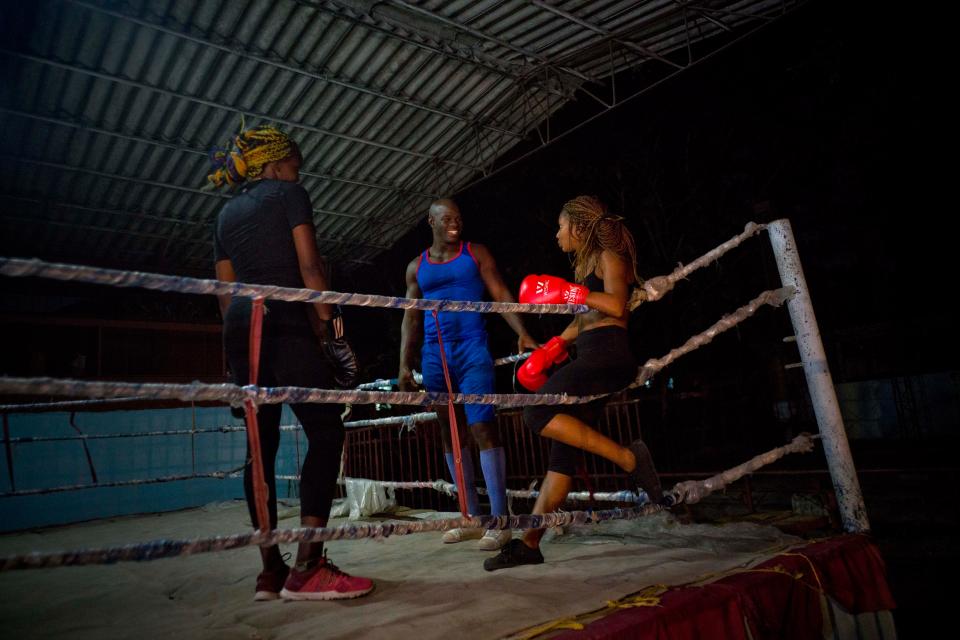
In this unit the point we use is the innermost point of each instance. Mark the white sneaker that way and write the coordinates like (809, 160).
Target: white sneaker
(459, 535)
(493, 539)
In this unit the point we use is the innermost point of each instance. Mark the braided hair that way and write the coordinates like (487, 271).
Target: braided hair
(255, 148)
(598, 230)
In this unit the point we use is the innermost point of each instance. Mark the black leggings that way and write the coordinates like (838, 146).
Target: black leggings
(604, 363)
(289, 356)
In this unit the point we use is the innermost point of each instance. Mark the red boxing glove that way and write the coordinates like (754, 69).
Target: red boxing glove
(551, 290)
(531, 375)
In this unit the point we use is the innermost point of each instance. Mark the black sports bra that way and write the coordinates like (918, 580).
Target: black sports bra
(593, 282)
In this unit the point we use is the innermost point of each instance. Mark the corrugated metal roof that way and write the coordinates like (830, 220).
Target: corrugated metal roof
(109, 108)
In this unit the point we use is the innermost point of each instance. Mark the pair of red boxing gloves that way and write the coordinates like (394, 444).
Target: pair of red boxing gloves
(544, 289)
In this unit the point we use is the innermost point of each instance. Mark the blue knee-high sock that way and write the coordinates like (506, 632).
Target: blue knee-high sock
(473, 503)
(494, 465)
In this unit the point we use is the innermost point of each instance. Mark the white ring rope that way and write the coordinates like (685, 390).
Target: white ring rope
(17, 267)
(653, 289)
(682, 492)
(235, 395)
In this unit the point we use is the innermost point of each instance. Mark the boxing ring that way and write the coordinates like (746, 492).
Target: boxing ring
(624, 566)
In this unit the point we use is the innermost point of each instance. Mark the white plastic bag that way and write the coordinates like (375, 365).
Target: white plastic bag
(367, 497)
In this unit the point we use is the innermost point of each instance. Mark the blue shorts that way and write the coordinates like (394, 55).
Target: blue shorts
(471, 371)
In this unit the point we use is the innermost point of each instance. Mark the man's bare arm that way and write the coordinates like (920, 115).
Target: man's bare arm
(410, 331)
(498, 291)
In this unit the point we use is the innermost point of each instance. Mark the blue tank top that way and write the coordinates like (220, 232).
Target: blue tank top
(456, 279)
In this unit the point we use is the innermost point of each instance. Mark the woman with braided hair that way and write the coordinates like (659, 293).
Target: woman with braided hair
(604, 258)
(265, 235)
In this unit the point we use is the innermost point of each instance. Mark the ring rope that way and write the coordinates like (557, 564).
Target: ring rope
(271, 395)
(138, 434)
(654, 288)
(517, 357)
(690, 491)
(234, 394)
(257, 479)
(25, 385)
(657, 287)
(772, 297)
(407, 420)
(173, 548)
(217, 475)
(450, 489)
(412, 418)
(65, 404)
(18, 267)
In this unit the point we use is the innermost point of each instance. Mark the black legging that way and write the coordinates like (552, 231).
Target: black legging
(289, 356)
(604, 363)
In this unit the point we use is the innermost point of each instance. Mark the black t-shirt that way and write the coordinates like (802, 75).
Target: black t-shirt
(253, 231)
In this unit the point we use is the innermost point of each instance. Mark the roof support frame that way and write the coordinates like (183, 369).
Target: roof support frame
(209, 103)
(479, 34)
(490, 171)
(191, 150)
(157, 184)
(313, 75)
(566, 15)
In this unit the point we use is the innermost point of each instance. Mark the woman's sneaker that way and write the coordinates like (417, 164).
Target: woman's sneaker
(644, 475)
(513, 554)
(324, 582)
(461, 534)
(493, 539)
(270, 583)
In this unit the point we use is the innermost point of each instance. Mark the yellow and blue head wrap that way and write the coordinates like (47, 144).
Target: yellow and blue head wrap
(255, 148)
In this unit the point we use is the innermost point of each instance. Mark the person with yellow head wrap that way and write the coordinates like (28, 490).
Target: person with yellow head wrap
(255, 149)
(265, 235)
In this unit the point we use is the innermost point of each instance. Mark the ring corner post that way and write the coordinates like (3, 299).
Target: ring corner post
(823, 396)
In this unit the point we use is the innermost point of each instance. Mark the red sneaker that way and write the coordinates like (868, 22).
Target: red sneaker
(324, 582)
(269, 583)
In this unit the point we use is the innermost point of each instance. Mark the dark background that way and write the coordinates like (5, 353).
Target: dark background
(834, 117)
(828, 118)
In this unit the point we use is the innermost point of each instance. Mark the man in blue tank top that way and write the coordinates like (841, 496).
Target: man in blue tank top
(452, 269)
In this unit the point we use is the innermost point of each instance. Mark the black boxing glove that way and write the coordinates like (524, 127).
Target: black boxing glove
(333, 342)
(237, 412)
